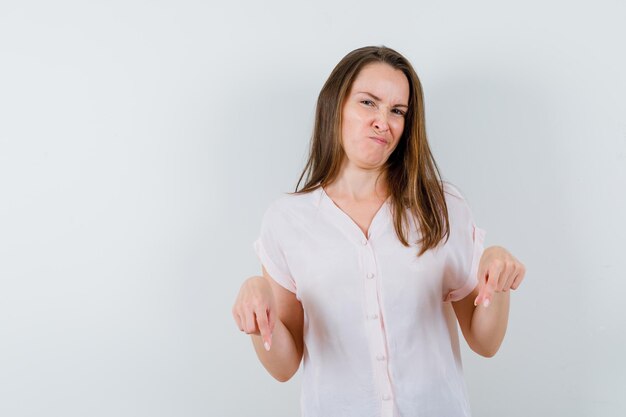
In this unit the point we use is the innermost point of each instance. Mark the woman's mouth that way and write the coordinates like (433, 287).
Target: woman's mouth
(379, 140)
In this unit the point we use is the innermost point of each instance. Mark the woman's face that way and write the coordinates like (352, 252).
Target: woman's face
(373, 115)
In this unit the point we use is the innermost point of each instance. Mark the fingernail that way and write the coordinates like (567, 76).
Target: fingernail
(486, 302)
(267, 346)
(475, 302)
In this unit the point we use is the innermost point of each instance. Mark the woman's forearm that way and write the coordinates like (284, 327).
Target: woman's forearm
(283, 359)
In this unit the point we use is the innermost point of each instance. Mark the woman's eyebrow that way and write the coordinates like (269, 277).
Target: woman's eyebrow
(378, 99)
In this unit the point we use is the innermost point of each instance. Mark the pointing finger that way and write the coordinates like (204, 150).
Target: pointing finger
(264, 327)
(482, 280)
(484, 297)
(271, 317)
(488, 290)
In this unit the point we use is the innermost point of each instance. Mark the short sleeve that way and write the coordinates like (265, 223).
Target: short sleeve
(464, 249)
(269, 247)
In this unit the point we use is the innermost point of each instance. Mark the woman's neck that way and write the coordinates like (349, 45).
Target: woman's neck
(359, 184)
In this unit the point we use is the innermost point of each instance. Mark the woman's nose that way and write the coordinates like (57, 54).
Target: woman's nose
(380, 123)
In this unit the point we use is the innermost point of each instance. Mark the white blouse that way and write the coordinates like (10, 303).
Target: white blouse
(380, 336)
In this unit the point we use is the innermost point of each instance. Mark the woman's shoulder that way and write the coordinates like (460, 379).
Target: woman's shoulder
(451, 191)
(290, 211)
(459, 210)
(455, 198)
(297, 202)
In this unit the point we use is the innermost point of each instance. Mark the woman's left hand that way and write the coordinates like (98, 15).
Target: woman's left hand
(498, 271)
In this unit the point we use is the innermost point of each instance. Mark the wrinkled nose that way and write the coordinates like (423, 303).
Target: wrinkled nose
(380, 123)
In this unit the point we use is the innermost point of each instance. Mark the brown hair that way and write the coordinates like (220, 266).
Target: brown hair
(413, 177)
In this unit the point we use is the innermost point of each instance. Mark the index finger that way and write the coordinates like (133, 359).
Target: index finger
(264, 327)
(488, 290)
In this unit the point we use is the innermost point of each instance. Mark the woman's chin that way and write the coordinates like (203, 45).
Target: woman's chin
(371, 164)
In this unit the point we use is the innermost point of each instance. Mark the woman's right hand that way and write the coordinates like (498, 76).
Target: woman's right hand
(254, 310)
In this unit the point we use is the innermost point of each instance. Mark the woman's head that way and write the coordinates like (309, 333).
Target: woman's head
(372, 116)
(410, 170)
(327, 153)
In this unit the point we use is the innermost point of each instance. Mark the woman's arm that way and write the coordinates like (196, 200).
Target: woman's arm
(483, 315)
(274, 318)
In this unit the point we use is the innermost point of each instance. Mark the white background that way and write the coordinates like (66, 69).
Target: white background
(141, 141)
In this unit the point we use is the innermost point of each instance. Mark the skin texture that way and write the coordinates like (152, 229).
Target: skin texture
(372, 123)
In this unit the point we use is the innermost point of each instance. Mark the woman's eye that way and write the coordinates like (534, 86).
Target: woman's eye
(367, 102)
(398, 112)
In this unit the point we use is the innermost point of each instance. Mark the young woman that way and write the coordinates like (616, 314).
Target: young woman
(366, 266)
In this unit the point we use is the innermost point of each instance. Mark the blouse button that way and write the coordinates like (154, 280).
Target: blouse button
(380, 357)
(386, 397)
(364, 242)
(373, 316)
(370, 275)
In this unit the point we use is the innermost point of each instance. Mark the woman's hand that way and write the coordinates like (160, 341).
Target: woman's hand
(254, 309)
(498, 271)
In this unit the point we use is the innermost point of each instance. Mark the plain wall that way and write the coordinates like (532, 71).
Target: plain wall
(141, 142)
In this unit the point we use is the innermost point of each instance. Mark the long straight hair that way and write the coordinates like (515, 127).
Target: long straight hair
(413, 177)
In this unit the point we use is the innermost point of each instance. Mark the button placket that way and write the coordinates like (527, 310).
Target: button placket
(375, 329)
